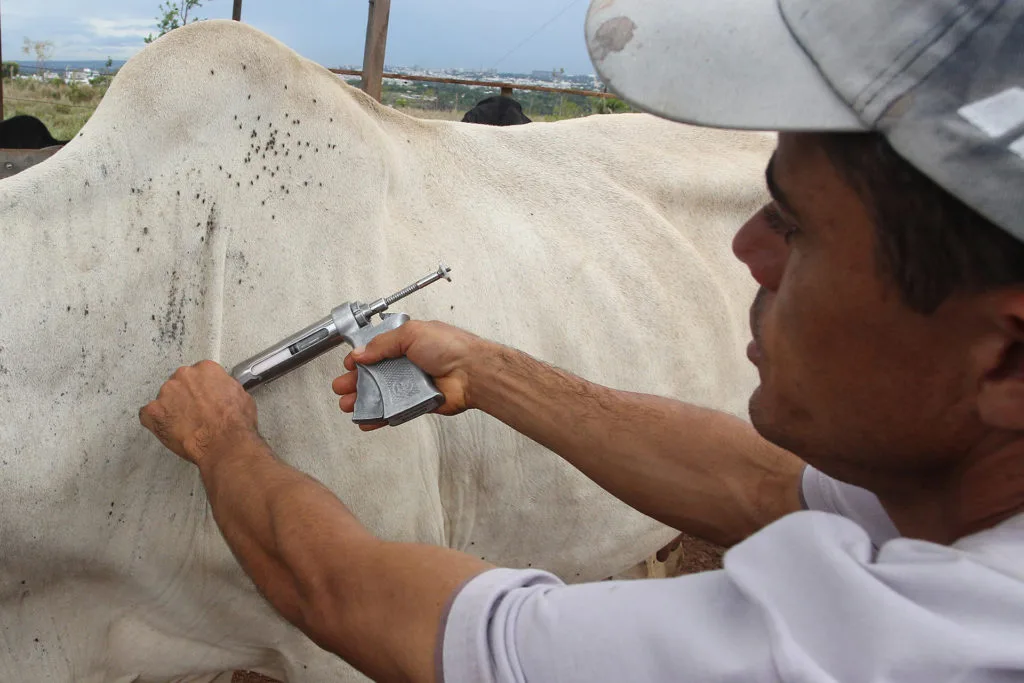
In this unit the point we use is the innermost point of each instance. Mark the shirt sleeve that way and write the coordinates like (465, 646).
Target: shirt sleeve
(805, 600)
(515, 626)
(818, 491)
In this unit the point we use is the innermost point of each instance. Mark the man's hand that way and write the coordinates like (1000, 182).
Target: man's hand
(305, 551)
(200, 410)
(442, 351)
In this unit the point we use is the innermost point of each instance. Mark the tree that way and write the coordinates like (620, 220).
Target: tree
(174, 14)
(568, 109)
(42, 49)
(611, 106)
(10, 69)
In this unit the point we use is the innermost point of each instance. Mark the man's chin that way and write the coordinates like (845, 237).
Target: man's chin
(762, 417)
(754, 407)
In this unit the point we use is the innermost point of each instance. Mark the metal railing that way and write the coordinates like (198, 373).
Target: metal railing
(506, 88)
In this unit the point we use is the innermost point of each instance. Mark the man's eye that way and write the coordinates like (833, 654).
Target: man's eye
(777, 223)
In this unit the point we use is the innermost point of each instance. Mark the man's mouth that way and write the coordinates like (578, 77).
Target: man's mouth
(753, 352)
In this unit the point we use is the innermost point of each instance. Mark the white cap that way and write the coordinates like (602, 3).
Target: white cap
(943, 80)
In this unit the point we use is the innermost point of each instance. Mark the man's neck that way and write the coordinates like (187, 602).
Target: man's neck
(982, 490)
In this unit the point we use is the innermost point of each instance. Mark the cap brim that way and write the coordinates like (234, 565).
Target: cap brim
(718, 63)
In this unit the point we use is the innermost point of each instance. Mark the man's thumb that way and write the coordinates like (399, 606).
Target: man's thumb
(386, 345)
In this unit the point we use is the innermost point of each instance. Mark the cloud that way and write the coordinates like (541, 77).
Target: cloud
(87, 37)
(98, 37)
(119, 28)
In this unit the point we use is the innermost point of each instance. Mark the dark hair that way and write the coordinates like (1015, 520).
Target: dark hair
(930, 243)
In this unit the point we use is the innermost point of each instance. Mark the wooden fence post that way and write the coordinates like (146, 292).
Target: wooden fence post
(506, 91)
(376, 41)
(236, 11)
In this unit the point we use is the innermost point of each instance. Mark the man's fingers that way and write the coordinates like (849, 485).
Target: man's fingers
(388, 345)
(146, 415)
(347, 403)
(208, 365)
(345, 384)
(152, 416)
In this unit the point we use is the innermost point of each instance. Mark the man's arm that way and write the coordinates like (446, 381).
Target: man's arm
(698, 470)
(378, 605)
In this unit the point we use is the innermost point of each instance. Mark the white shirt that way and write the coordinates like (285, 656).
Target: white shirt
(821, 492)
(814, 597)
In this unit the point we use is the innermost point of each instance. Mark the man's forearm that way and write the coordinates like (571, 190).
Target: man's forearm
(376, 604)
(250, 492)
(698, 470)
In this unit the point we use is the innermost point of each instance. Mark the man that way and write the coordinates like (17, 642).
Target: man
(889, 337)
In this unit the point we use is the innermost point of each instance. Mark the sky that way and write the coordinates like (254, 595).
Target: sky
(470, 34)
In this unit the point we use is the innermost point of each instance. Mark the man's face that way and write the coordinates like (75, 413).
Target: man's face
(852, 380)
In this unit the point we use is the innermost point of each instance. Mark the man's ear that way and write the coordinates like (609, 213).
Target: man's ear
(1001, 392)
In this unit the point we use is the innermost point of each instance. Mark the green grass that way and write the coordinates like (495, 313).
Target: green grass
(63, 108)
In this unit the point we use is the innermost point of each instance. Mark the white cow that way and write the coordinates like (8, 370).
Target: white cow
(228, 192)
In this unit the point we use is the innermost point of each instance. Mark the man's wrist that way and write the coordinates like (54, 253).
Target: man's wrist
(488, 366)
(227, 446)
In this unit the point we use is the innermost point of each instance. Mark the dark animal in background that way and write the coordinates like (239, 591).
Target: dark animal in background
(496, 111)
(26, 132)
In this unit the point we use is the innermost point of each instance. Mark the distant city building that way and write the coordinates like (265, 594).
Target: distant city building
(80, 76)
(535, 78)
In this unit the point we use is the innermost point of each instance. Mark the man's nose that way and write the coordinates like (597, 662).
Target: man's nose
(762, 249)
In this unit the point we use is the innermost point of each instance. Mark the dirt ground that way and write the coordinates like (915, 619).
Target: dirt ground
(692, 555)
(250, 677)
